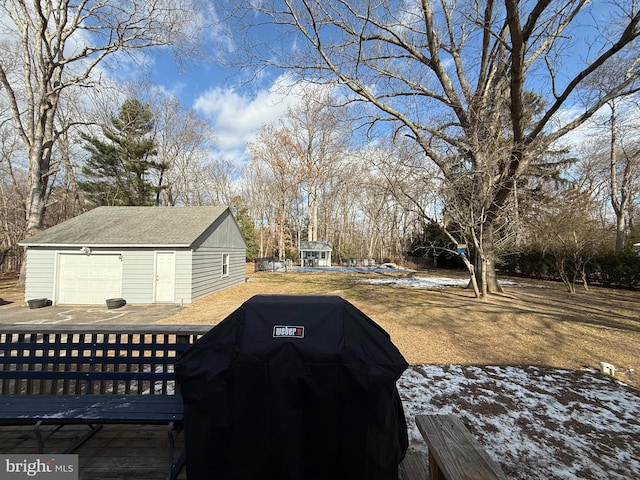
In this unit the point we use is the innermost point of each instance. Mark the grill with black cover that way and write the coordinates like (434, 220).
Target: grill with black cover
(293, 387)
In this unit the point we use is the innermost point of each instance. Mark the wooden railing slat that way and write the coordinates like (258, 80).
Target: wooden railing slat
(114, 359)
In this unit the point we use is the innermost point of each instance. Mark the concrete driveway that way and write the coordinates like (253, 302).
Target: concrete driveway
(87, 314)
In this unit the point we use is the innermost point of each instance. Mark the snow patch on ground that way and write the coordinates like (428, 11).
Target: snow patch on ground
(535, 422)
(426, 282)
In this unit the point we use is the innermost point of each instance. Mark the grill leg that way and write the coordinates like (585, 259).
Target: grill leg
(175, 469)
(39, 434)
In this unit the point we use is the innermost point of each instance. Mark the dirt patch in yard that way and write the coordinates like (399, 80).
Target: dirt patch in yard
(10, 292)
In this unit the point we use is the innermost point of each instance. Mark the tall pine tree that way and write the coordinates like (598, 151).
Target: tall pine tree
(122, 168)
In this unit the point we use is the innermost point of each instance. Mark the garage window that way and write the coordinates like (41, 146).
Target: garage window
(225, 264)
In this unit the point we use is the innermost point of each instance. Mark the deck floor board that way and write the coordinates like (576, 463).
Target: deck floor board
(134, 452)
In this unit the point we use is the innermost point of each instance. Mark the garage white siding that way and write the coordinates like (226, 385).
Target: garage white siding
(114, 252)
(138, 280)
(207, 270)
(40, 270)
(88, 279)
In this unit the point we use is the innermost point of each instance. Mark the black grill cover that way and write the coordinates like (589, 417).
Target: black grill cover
(293, 388)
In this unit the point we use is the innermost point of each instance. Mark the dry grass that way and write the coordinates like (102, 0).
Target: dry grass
(10, 291)
(536, 324)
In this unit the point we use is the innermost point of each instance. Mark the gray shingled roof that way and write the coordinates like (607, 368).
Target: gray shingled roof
(316, 246)
(120, 226)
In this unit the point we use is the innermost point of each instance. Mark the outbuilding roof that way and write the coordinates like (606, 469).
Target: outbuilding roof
(130, 226)
(316, 246)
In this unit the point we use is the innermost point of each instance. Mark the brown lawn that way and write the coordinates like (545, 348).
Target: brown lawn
(536, 323)
(534, 421)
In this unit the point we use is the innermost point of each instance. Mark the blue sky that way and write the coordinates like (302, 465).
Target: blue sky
(234, 107)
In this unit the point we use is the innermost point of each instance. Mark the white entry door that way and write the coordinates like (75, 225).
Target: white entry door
(165, 276)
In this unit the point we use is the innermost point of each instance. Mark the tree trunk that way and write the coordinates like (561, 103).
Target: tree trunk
(564, 275)
(281, 240)
(40, 151)
(487, 260)
(315, 218)
(616, 203)
(35, 203)
(473, 282)
(621, 232)
(312, 234)
(39, 162)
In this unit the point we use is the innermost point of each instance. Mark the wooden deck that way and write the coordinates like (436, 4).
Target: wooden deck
(115, 452)
(133, 452)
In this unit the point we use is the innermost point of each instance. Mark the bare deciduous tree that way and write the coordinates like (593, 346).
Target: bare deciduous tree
(624, 163)
(11, 195)
(567, 231)
(257, 194)
(52, 46)
(322, 134)
(304, 153)
(274, 158)
(184, 143)
(456, 77)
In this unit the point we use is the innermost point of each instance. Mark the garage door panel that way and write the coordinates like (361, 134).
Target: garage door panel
(88, 279)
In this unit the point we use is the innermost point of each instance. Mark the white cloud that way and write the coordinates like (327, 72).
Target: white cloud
(597, 127)
(236, 117)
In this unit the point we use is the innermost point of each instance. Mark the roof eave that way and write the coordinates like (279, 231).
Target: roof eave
(107, 245)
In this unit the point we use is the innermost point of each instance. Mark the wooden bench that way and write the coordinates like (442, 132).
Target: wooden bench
(454, 454)
(59, 376)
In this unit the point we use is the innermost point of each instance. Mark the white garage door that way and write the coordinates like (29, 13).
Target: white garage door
(89, 279)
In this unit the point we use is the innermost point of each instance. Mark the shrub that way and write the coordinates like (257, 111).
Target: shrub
(615, 270)
(606, 268)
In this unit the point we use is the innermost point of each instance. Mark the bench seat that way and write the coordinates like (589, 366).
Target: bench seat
(78, 375)
(90, 409)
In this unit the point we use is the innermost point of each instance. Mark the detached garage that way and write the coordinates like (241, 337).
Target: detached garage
(141, 254)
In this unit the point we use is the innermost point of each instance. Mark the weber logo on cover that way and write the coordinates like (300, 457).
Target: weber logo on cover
(50, 467)
(282, 331)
